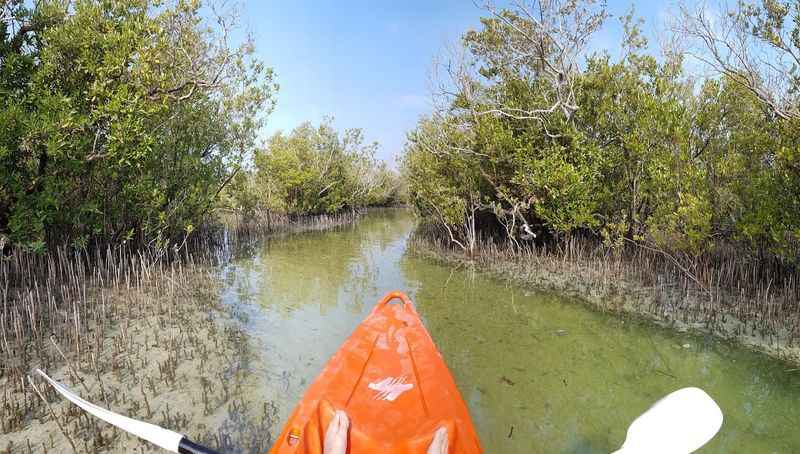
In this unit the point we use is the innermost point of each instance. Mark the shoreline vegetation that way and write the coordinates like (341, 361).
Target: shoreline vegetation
(645, 284)
(141, 332)
(668, 171)
(133, 123)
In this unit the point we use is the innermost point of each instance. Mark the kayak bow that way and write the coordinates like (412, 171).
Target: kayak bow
(394, 385)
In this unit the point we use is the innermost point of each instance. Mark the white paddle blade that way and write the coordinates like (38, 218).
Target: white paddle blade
(680, 423)
(159, 436)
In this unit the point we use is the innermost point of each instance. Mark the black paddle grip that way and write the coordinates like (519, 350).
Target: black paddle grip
(187, 446)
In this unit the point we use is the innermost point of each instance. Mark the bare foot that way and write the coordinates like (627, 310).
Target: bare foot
(336, 434)
(439, 443)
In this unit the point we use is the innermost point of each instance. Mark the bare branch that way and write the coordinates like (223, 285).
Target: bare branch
(537, 42)
(752, 47)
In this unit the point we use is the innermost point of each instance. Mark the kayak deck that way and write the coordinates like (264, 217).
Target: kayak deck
(394, 385)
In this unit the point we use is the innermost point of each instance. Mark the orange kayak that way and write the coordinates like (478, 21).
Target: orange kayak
(394, 385)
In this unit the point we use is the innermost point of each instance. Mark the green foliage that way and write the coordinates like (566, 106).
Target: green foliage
(641, 156)
(315, 170)
(752, 168)
(121, 119)
(439, 184)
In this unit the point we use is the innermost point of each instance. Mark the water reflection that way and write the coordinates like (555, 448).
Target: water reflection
(306, 292)
(540, 374)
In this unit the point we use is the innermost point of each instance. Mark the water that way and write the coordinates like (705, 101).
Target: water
(539, 372)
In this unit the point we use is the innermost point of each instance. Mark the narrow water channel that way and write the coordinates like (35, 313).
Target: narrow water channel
(539, 372)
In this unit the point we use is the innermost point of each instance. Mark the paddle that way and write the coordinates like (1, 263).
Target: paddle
(679, 423)
(163, 438)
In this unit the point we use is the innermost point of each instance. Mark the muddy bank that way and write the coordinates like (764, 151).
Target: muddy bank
(612, 286)
(178, 359)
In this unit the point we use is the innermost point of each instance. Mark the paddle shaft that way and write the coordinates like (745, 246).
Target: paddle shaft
(164, 438)
(187, 446)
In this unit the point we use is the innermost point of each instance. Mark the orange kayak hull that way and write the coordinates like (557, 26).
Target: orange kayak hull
(394, 385)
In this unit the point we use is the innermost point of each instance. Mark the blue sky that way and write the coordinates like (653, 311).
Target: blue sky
(367, 63)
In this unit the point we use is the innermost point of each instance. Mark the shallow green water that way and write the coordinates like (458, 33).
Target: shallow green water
(540, 373)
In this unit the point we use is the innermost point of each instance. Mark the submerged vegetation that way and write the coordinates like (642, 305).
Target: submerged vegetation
(646, 283)
(146, 337)
(142, 331)
(537, 142)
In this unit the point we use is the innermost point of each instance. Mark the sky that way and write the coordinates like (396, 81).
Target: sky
(367, 64)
